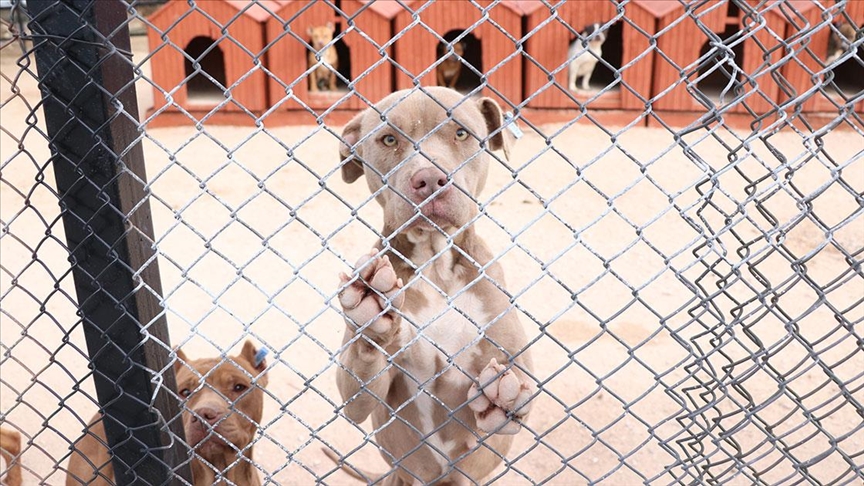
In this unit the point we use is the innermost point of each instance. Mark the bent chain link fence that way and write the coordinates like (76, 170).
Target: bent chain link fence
(686, 264)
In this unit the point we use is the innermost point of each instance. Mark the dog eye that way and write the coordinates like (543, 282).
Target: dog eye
(389, 140)
(461, 134)
(185, 392)
(240, 387)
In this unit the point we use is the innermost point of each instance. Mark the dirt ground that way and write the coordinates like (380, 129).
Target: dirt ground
(598, 234)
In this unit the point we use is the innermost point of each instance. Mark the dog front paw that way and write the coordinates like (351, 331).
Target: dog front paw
(365, 298)
(502, 400)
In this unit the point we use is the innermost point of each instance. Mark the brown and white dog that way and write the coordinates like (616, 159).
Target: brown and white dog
(841, 39)
(448, 72)
(10, 450)
(323, 77)
(223, 404)
(433, 350)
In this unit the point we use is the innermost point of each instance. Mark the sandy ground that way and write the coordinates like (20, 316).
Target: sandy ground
(617, 353)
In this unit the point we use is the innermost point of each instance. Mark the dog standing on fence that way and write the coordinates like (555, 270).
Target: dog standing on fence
(447, 73)
(582, 64)
(431, 336)
(217, 429)
(842, 37)
(323, 77)
(10, 450)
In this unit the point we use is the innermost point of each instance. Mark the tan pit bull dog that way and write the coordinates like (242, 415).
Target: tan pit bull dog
(215, 427)
(450, 69)
(431, 335)
(10, 449)
(322, 78)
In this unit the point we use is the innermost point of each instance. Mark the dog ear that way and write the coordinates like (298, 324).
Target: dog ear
(181, 359)
(498, 140)
(352, 169)
(256, 358)
(330, 27)
(309, 31)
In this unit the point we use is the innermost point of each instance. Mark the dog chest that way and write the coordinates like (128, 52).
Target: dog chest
(453, 327)
(584, 63)
(440, 360)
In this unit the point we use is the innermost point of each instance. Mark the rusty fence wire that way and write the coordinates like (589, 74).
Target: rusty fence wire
(682, 234)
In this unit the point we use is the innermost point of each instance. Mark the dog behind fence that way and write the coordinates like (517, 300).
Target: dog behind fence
(681, 304)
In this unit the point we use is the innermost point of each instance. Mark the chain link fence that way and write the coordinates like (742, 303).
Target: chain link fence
(682, 236)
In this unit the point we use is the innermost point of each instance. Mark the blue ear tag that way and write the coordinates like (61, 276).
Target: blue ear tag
(260, 355)
(511, 124)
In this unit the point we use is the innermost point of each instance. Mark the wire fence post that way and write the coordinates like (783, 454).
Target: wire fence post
(83, 58)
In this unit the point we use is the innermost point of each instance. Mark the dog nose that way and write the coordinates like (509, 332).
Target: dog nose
(426, 181)
(210, 415)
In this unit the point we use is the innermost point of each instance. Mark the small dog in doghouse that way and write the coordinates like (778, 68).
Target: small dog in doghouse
(450, 69)
(223, 404)
(430, 335)
(10, 450)
(323, 77)
(842, 36)
(583, 62)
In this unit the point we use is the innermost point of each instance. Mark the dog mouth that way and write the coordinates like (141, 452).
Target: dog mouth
(205, 437)
(434, 213)
(207, 440)
(444, 208)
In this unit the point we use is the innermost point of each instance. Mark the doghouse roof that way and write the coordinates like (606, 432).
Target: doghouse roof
(525, 7)
(518, 7)
(662, 8)
(804, 5)
(255, 12)
(385, 8)
(657, 8)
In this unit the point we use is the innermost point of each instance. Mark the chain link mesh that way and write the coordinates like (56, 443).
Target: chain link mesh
(683, 239)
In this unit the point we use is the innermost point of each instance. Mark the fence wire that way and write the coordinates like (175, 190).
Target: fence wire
(682, 236)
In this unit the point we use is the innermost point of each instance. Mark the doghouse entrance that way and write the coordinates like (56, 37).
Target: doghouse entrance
(211, 61)
(343, 66)
(715, 73)
(849, 77)
(613, 53)
(472, 54)
(344, 53)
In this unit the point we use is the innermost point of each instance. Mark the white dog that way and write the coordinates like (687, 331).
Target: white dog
(582, 62)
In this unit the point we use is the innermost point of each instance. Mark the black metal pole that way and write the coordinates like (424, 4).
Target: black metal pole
(83, 57)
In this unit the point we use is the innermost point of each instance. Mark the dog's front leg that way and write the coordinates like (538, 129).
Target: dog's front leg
(333, 62)
(313, 77)
(370, 304)
(585, 80)
(454, 80)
